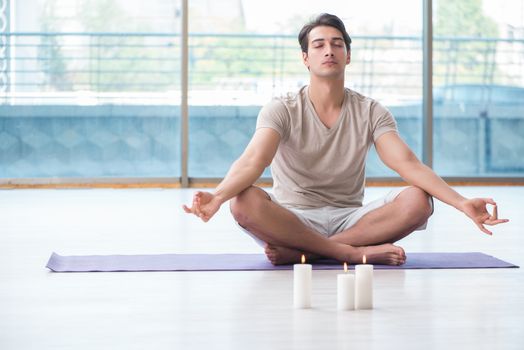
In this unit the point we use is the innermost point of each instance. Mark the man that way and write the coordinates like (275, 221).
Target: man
(316, 142)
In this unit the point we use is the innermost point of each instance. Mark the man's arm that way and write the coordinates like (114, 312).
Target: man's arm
(394, 152)
(243, 173)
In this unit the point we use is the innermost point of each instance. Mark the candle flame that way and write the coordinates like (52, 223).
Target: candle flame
(303, 259)
(364, 259)
(345, 267)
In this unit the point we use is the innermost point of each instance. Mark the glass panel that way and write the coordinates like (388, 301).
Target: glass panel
(91, 89)
(479, 88)
(244, 52)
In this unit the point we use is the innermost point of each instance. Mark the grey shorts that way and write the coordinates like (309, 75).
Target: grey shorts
(332, 220)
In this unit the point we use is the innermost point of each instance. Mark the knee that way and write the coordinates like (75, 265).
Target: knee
(418, 205)
(246, 204)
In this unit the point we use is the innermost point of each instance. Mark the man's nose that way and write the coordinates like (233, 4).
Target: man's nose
(329, 51)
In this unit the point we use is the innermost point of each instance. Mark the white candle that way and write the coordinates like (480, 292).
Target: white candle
(364, 285)
(302, 285)
(346, 290)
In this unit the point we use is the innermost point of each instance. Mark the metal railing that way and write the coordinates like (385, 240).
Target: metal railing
(145, 67)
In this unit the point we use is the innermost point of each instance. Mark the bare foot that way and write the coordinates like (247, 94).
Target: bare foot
(383, 254)
(278, 255)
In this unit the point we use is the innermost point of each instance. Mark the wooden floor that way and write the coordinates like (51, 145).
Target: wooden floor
(415, 309)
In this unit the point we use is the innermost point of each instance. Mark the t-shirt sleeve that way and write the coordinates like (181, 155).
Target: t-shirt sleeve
(274, 115)
(382, 121)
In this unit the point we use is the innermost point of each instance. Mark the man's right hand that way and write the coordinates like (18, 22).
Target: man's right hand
(204, 205)
(243, 173)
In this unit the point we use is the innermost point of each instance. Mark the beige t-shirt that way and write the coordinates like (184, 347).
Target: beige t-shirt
(316, 166)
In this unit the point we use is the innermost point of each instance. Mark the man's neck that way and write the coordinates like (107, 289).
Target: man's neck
(326, 94)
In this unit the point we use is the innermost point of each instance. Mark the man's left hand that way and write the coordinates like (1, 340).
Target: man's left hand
(476, 209)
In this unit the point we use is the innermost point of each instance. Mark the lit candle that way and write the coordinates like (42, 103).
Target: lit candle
(345, 290)
(364, 285)
(302, 285)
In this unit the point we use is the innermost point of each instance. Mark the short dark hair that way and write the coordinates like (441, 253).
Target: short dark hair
(324, 19)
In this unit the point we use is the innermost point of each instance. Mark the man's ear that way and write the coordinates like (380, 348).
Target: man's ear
(304, 59)
(348, 59)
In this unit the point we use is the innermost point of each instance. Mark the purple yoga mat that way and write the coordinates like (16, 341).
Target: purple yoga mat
(240, 262)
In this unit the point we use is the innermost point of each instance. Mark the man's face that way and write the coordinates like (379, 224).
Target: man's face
(327, 55)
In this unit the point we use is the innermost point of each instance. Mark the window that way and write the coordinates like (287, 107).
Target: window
(479, 88)
(242, 53)
(91, 90)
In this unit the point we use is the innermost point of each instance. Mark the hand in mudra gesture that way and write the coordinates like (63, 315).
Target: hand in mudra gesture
(476, 210)
(204, 205)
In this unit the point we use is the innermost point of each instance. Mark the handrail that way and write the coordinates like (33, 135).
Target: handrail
(261, 64)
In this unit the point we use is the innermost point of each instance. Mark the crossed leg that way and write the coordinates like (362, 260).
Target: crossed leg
(390, 222)
(378, 229)
(287, 237)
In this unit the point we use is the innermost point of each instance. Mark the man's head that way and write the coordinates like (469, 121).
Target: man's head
(324, 19)
(325, 47)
